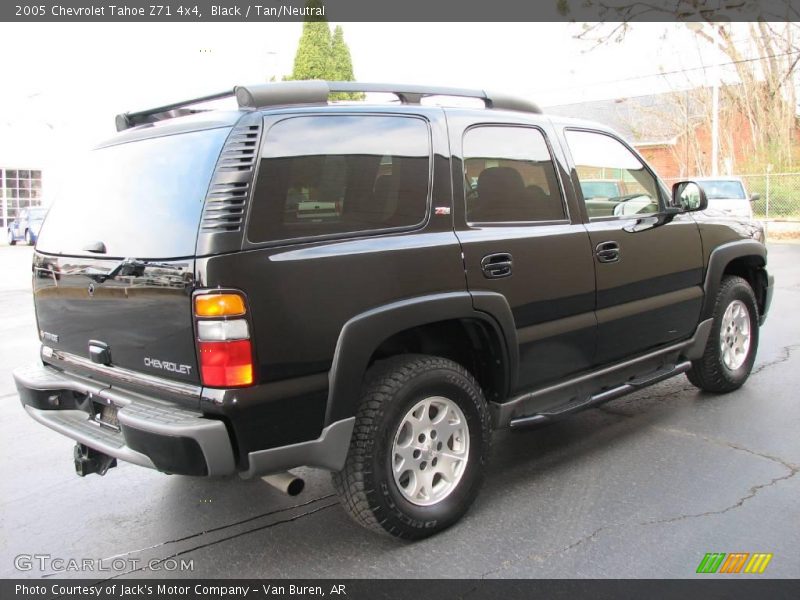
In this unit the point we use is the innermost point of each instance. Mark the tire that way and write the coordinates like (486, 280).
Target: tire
(11, 240)
(722, 369)
(28, 237)
(387, 423)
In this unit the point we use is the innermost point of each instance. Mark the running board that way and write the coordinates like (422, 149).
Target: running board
(581, 390)
(601, 397)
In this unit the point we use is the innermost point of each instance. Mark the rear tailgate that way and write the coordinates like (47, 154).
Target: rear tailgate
(143, 315)
(114, 264)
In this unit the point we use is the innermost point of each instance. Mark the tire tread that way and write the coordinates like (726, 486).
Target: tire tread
(707, 371)
(381, 384)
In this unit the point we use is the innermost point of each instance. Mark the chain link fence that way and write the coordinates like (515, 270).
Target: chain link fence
(779, 195)
(778, 205)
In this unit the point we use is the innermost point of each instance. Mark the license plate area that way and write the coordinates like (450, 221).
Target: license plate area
(105, 415)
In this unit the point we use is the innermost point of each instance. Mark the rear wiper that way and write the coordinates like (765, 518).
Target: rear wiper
(95, 247)
(126, 265)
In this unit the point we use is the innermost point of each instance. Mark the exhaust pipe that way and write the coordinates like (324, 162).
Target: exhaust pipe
(286, 482)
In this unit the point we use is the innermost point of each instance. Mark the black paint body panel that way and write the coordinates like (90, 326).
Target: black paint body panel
(143, 312)
(319, 308)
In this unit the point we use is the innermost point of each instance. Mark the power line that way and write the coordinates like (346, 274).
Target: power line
(676, 71)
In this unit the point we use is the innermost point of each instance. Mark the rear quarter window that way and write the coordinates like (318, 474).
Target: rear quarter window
(329, 175)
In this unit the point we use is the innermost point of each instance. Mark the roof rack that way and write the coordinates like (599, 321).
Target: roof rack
(168, 111)
(284, 93)
(316, 91)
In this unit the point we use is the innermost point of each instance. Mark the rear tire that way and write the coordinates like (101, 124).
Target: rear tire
(11, 240)
(732, 345)
(419, 447)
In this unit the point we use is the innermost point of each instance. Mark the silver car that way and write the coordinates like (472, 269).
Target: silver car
(727, 195)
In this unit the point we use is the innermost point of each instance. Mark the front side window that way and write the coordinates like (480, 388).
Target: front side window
(327, 175)
(614, 182)
(510, 176)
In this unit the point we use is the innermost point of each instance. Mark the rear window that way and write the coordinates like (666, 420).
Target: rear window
(141, 199)
(328, 175)
(720, 190)
(510, 176)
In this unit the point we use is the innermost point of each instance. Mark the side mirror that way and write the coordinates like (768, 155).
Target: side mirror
(688, 196)
(755, 197)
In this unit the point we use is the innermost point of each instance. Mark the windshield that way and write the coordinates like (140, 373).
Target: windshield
(141, 199)
(719, 190)
(37, 214)
(600, 189)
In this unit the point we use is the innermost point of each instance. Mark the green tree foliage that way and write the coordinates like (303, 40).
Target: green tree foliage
(322, 56)
(313, 57)
(341, 64)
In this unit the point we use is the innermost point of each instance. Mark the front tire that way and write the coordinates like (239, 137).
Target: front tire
(28, 237)
(732, 345)
(10, 238)
(419, 447)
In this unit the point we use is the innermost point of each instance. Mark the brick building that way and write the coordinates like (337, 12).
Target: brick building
(672, 131)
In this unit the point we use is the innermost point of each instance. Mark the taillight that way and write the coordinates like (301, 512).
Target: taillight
(219, 305)
(223, 343)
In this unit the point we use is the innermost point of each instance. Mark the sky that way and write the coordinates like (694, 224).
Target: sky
(65, 82)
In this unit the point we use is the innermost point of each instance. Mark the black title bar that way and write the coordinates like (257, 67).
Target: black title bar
(396, 10)
(384, 589)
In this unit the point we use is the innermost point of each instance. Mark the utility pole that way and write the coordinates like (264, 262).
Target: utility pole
(715, 125)
(686, 139)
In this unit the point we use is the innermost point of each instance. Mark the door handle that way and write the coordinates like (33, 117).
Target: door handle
(495, 266)
(607, 252)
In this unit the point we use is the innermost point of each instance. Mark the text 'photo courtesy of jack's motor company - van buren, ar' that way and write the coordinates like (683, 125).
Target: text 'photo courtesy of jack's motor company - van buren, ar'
(212, 591)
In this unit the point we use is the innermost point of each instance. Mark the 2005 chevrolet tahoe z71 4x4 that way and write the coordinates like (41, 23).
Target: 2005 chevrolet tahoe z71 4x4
(370, 289)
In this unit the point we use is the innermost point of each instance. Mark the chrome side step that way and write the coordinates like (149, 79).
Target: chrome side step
(581, 391)
(601, 397)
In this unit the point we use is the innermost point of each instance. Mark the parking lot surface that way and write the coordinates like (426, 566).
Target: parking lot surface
(642, 487)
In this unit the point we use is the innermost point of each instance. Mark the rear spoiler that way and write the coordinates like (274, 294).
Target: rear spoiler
(316, 92)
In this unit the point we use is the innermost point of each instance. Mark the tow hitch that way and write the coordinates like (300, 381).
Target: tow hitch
(88, 461)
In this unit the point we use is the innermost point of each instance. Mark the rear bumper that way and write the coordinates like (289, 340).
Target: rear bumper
(161, 435)
(151, 433)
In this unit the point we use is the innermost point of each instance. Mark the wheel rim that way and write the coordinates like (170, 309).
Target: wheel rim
(734, 338)
(430, 451)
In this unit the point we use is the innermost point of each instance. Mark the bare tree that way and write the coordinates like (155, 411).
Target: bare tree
(763, 55)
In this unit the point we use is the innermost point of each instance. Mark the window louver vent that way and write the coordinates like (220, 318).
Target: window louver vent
(224, 208)
(225, 204)
(240, 150)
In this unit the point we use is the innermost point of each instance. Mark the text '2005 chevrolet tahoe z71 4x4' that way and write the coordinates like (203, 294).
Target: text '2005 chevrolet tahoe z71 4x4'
(370, 289)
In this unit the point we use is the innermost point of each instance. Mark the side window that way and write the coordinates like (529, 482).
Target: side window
(326, 175)
(614, 182)
(510, 176)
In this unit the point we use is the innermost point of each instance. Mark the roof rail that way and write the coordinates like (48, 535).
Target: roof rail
(284, 93)
(317, 91)
(168, 111)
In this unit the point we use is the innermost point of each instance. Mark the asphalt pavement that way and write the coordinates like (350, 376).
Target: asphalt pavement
(643, 487)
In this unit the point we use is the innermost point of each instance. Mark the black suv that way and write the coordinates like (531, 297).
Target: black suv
(370, 289)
